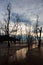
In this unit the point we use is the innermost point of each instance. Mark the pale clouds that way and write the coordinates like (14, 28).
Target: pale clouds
(27, 8)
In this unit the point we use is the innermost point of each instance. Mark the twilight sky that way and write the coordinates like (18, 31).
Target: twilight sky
(27, 9)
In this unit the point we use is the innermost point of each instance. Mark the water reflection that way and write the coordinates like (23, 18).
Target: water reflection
(34, 45)
(20, 54)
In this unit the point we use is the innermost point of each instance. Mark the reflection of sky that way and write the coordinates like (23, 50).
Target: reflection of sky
(27, 8)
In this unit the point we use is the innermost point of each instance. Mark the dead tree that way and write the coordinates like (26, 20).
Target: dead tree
(37, 26)
(38, 30)
(9, 12)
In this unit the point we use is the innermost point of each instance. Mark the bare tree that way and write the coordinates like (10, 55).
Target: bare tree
(36, 27)
(9, 12)
(7, 25)
(15, 27)
(38, 30)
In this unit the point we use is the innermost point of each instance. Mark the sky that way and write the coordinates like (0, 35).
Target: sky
(27, 9)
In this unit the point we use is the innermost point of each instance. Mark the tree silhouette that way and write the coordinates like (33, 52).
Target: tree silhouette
(9, 12)
(38, 30)
(36, 27)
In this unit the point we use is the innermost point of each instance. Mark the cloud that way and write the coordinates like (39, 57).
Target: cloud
(21, 18)
(27, 8)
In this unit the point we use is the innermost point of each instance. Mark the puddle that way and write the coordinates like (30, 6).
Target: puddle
(19, 55)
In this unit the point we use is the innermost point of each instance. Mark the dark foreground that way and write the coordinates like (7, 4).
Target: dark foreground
(33, 57)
